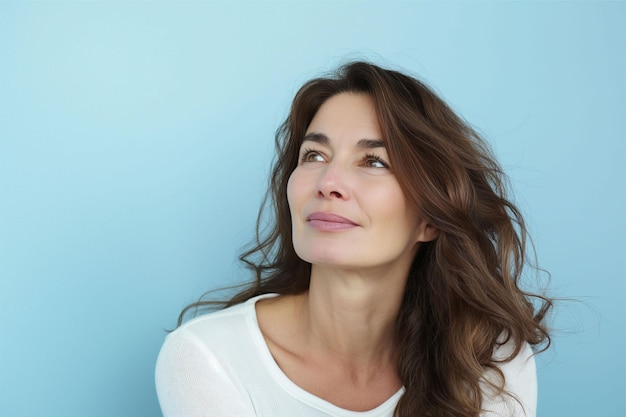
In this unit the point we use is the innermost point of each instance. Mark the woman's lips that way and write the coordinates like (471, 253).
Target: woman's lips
(329, 222)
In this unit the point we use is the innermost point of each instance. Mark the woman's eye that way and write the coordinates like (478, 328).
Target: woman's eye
(374, 161)
(309, 155)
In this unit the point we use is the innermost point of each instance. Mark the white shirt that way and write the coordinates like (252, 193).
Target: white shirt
(219, 365)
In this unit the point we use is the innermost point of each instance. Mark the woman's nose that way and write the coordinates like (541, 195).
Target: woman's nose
(333, 182)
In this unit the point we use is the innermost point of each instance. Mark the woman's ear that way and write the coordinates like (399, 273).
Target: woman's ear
(427, 232)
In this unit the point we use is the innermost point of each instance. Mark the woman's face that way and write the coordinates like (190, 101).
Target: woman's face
(347, 207)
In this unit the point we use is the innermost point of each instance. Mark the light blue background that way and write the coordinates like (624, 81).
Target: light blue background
(135, 140)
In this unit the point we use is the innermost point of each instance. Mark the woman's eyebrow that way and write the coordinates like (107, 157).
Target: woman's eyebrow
(322, 139)
(370, 143)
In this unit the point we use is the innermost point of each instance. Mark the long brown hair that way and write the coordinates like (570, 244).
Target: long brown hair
(463, 291)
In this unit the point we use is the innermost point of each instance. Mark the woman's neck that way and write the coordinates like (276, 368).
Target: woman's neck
(352, 315)
(336, 340)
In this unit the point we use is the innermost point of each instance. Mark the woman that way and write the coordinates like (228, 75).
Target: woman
(388, 285)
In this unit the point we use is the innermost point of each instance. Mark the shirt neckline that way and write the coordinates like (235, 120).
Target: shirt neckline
(295, 390)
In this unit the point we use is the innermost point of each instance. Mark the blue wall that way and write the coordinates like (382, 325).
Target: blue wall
(135, 141)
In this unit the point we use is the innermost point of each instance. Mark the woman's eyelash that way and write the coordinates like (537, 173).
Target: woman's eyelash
(307, 153)
(371, 157)
(368, 158)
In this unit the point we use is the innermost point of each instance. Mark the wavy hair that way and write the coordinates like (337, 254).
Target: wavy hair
(463, 291)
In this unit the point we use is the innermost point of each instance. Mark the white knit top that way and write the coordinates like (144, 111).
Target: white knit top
(218, 365)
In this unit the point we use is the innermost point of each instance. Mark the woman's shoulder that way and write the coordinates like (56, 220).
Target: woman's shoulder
(229, 319)
(517, 367)
(215, 334)
(202, 365)
(214, 345)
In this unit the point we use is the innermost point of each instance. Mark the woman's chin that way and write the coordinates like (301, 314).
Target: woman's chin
(327, 256)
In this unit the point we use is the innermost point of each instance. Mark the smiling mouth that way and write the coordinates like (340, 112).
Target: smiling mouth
(329, 222)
